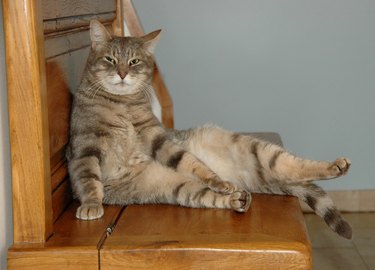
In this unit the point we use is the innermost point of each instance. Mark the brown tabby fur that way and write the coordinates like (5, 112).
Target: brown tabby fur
(120, 153)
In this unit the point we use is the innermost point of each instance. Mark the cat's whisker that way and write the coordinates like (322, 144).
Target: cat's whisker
(94, 87)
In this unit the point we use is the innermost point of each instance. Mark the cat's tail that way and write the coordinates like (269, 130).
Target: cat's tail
(322, 204)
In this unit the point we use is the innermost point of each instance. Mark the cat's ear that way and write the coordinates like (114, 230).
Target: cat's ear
(150, 40)
(98, 34)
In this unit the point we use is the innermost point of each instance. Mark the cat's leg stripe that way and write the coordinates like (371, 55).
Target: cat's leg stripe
(311, 201)
(200, 194)
(254, 149)
(177, 190)
(274, 158)
(235, 137)
(157, 143)
(175, 159)
(143, 122)
(88, 174)
(91, 151)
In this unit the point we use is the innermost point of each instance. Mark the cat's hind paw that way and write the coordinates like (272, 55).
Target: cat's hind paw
(223, 187)
(340, 166)
(90, 211)
(240, 201)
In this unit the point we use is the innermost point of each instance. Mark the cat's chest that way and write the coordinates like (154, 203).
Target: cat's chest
(124, 146)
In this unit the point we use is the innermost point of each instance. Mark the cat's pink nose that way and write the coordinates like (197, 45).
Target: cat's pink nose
(122, 74)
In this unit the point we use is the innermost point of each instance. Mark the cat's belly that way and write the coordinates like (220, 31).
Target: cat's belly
(119, 162)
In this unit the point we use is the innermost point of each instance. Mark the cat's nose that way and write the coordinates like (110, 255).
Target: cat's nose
(122, 74)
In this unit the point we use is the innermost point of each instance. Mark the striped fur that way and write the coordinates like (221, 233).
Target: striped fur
(119, 152)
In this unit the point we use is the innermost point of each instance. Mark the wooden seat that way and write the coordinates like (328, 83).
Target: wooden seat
(170, 237)
(46, 46)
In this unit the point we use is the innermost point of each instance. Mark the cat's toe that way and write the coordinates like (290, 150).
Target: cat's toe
(240, 201)
(340, 166)
(223, 187)
(90, 211)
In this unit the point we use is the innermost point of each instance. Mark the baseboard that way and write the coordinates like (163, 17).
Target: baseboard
(350, 200)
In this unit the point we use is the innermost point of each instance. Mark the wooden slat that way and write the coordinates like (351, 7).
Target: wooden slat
(61, 15)
(169, 237)
(32, 213)
(76, 22)
(53, 9)
(59, 102)
(61, 198)
(58, 174)
(65, 42)
(63, 76)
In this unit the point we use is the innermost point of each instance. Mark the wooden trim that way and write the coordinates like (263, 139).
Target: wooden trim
(56, 258)
(131, 19)
(118, 24)
(135, 28)
(27, 97)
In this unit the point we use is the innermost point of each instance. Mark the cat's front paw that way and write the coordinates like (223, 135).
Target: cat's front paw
(240, 201)
(90, 211)
(340, 166)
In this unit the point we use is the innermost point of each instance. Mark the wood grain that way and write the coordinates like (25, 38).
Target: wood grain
(74, 245)
(59, 172)
(63, 74)
(118, 25)
(57, 258)
(27, 97)
(170, 237)
(61, 15)
(61, 198)
(54, 9)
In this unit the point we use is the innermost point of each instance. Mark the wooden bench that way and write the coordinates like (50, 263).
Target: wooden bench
(46, 48)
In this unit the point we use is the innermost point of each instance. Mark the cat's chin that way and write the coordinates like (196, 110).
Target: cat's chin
(119, 89)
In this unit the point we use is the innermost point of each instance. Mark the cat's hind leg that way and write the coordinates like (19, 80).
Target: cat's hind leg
(277, 163)
(178, 158)
(269, 161)
(160, 184)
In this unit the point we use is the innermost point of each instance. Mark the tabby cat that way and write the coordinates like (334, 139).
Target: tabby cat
(120, 153)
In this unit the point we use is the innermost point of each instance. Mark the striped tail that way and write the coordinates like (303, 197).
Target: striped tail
(322, 204)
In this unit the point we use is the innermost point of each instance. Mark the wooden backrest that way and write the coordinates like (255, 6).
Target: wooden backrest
(47, 43)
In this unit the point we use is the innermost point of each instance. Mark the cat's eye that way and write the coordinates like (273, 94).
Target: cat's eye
(133, 62)
(110, 59)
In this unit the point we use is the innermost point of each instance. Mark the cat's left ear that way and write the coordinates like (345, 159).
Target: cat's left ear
(98, 33)
(150, 40)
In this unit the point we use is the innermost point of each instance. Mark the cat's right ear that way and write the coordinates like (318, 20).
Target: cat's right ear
(99, 34)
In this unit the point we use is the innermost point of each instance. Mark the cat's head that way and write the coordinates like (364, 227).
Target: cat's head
(121, 65)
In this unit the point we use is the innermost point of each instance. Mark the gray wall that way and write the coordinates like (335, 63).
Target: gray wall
(6, 227)
(305, 69)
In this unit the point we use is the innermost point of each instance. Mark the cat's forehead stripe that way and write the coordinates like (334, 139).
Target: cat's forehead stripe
(124, 47)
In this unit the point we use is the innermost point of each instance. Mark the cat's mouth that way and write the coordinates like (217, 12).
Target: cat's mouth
(121, 84)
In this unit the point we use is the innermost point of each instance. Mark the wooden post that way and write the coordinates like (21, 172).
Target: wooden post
(28, 119)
